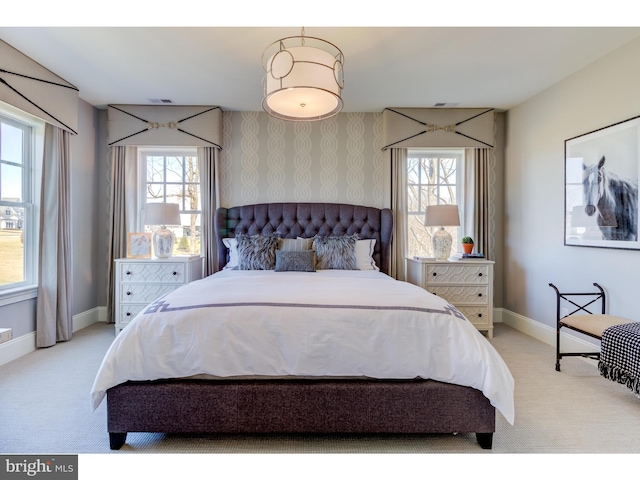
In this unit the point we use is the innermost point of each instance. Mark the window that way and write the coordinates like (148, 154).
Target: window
(20, 137)
(172, 175)
(434, 177)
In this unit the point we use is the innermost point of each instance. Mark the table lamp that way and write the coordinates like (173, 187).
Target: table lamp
(162, 214)
(441, 216)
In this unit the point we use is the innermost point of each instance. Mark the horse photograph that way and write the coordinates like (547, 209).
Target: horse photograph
(612, 200)
(601, 187)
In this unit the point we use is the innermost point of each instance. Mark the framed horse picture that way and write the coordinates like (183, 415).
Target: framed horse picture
(602, 169)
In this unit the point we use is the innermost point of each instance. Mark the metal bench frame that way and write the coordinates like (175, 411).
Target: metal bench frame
(568, 298)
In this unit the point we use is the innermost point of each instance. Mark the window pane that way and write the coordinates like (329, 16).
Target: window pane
(155, 192)
(192, 196)
(433, 180)
(413, 198)
(428, 170)
(155, 169)
(173, 177)
(11, 245)
(175, 194)
(10, 183)
(413, 176)
(188, 235)
(175, 172)
(12, 141)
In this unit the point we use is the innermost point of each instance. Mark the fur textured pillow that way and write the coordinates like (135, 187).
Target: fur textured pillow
(336, 253)
(257, 252)
(295, 261)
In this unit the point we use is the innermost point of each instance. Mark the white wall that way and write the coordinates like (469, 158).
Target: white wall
(604, 93)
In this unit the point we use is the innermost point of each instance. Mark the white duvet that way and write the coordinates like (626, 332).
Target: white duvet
(326, 323)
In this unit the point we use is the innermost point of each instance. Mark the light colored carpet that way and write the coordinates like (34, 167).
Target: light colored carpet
(44, 408)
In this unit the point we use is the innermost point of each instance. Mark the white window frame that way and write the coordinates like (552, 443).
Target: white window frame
(459, 153)
(143, 154)
(33, 150)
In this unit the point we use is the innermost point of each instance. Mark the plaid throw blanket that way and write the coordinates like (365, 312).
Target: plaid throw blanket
(620, 355)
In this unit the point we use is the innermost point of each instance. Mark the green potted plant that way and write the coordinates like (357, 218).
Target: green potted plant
(467, 244)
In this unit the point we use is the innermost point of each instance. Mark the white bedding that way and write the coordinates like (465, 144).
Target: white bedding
(325, 323)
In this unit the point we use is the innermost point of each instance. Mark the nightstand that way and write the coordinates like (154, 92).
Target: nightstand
(466, 284)
(138, 282)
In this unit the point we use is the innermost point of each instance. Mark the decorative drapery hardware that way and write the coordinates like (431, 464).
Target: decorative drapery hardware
(153, 125)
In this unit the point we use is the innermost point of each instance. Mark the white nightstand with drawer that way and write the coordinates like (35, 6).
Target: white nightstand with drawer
(466, 284)
(138, 282)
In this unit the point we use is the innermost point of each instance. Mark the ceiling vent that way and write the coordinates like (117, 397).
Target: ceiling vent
(446, 104)
(161, 100)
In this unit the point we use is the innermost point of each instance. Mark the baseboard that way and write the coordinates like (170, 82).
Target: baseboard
(24, 344)
(17, 347)
(84, 319)
(545, 333)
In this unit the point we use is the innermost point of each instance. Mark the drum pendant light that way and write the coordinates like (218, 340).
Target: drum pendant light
(304, 78)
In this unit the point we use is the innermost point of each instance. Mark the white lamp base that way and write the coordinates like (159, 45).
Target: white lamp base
(163, 240)
(441, 243)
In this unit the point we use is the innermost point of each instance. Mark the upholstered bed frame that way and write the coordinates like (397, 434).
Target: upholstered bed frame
(300, 406)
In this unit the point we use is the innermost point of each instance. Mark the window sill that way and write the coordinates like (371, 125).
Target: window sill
(18, 295)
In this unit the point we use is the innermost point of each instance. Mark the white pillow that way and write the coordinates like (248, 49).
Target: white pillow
(364, 254)
(232, 245)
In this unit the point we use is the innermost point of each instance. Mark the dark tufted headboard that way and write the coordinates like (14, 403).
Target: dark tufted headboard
(294, 220)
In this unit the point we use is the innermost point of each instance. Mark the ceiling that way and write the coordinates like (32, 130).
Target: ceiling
(496, 67)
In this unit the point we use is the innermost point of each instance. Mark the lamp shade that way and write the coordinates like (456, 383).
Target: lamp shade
(162, 214)
(304, 79)
(442, 216)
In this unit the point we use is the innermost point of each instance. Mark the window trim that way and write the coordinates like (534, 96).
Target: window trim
(143, 153)
(460, 183)
(28, 288)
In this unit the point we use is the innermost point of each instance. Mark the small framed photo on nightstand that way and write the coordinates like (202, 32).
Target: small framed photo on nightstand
(139, 245)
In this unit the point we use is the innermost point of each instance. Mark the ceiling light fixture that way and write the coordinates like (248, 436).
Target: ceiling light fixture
(304, 78)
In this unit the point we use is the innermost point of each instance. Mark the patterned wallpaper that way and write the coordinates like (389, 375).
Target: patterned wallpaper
(269, 160)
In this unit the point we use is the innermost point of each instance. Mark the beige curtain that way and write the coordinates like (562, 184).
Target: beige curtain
(477, 199)
(399, 245)
(53, 311)
(123, 211)
(208, 158)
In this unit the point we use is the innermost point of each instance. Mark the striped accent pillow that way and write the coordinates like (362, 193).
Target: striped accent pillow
(364, 254)
(295, 244)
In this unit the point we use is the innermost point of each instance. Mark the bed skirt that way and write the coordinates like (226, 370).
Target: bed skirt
(298, 406)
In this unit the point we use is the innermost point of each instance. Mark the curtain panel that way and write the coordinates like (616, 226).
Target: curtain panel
(478, 205)
(53, 309)
(123, 211)
(399, 245)
(208, 158)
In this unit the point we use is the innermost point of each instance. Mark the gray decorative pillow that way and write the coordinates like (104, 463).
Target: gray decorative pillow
(295, 244)
(336, 253)
(257, 252)
(295, 261)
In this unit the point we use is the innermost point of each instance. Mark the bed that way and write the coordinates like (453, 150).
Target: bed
(341, 349)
